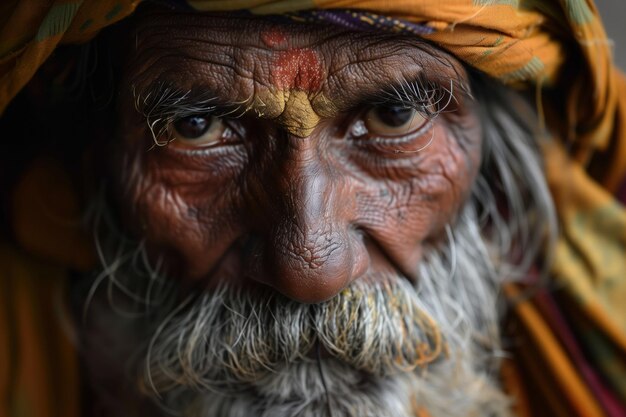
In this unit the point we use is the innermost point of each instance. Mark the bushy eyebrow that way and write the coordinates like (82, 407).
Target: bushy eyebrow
(162, 103)
(428, 96)
(412, 73)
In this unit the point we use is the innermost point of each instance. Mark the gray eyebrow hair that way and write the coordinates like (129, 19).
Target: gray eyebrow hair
(429, 92)
(427, 96)
(162, 103)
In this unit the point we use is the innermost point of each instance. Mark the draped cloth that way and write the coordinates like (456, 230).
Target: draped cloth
(570, 358)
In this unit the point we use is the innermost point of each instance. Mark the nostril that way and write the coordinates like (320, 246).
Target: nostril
(309, 267)
(249, 244)
(251, 249)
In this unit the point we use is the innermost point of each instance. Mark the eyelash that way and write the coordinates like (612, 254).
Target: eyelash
(165, 104)
(427, 97)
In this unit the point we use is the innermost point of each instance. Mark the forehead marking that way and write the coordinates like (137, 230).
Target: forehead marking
(298, 69)
(295, 74)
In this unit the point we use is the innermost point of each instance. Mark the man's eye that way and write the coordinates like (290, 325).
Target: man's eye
(198, 130)
(393, 120)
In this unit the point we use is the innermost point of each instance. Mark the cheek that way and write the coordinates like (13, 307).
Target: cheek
(415, 203)
(446, 182)
(184, 215)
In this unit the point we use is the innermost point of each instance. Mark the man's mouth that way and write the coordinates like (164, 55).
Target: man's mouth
(232, 336)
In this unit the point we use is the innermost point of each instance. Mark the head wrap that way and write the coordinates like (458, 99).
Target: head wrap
(556, 49)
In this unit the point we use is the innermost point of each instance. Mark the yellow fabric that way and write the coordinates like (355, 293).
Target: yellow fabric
(38, 366)
(34, 28)
(556, 49)
(554, 359)
(47, 217)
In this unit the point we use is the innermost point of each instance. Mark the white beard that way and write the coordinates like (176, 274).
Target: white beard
(301, 391)
(306, 390)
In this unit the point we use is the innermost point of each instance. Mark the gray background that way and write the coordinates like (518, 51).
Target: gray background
(614, 15)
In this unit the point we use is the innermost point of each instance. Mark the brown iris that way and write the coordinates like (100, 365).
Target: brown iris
(393, 120)
(198, 130)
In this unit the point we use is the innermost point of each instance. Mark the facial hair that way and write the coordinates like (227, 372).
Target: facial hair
(389, 347)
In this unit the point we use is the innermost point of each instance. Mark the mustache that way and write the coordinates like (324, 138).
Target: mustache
(216, 341)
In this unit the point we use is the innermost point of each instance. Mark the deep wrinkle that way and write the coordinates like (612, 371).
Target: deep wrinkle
(294, 182)
(208, 67)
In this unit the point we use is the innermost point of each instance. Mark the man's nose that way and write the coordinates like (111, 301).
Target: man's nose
(311, 250)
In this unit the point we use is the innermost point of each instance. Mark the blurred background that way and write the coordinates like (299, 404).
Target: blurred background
(614, 14)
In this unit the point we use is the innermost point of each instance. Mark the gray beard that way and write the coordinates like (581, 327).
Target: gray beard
(391, 348)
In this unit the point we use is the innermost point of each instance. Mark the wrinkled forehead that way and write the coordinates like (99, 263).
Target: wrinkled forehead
(238, 56)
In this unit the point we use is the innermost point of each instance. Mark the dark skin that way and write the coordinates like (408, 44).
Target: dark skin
(310, 179)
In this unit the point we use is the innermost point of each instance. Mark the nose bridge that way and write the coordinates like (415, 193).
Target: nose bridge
(306, 174)
(309, 253)
(309, 221)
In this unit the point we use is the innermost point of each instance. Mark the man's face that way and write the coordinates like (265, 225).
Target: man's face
(300, 157)
(292, 179)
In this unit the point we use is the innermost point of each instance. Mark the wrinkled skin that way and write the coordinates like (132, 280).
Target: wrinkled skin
(290, 193)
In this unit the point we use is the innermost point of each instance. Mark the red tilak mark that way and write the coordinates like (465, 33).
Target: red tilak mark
(273, 37)
(297, 69)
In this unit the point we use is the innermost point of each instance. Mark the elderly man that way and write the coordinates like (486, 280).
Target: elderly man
(303, 212)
